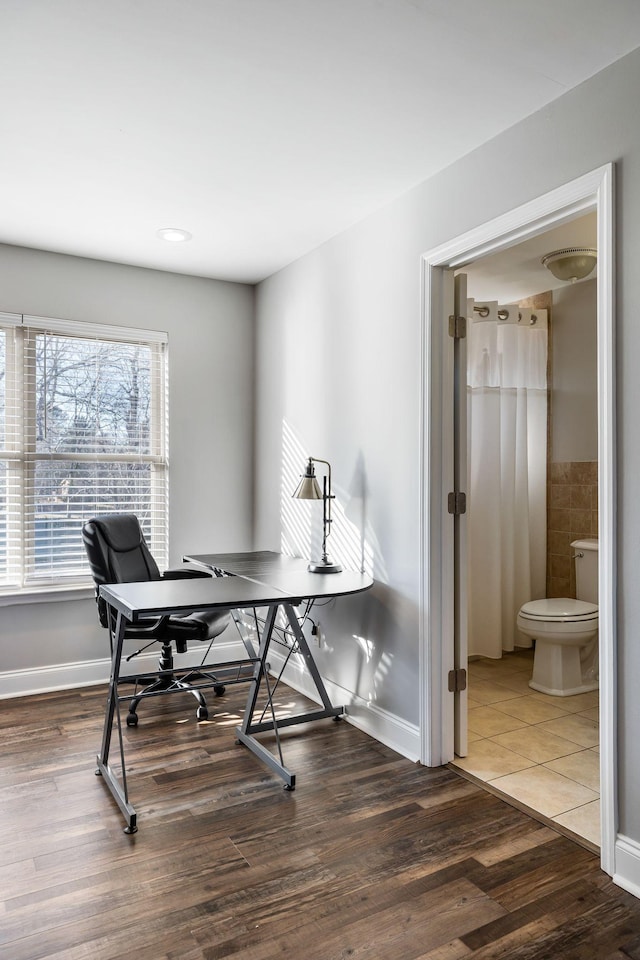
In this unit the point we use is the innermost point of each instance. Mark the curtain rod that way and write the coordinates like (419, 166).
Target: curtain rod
(502, 314)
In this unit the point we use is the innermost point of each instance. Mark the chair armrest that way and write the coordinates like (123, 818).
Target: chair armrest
(148, 628)
(185, 573)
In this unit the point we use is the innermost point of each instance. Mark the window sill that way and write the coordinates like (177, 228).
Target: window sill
(48, 594)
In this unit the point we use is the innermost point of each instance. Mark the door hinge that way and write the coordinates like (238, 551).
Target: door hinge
(457, 680)
(457, 503)
(457, 327)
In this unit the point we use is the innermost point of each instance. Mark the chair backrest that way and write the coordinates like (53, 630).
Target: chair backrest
(117, 550)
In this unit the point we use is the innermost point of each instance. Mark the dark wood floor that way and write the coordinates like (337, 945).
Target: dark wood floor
(371, 858)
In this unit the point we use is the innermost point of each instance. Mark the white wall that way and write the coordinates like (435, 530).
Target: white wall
(338, 345)
(574, 376)
(211, 348)
(338, 369)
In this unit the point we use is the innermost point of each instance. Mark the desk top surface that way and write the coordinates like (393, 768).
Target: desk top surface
(255, 579)
(256, 564)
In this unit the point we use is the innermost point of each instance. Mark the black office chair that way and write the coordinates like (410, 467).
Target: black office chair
(118, 553)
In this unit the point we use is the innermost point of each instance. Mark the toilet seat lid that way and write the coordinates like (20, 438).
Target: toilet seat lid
(560, 608)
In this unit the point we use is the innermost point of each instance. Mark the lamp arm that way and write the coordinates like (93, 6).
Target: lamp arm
(327, 497)
(326, 462)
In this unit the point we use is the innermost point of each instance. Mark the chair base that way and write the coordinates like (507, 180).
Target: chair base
(167, 682)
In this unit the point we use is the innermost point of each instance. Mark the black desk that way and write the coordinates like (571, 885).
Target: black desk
(262, 580)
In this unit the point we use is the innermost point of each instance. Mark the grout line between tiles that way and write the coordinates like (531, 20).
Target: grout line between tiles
(495, 681)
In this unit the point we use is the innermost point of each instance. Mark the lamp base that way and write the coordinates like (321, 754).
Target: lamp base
(324, 566)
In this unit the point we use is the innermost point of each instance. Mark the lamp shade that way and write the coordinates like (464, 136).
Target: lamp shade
(308, 488)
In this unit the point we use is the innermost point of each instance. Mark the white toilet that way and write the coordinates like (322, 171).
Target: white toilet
(565, 661)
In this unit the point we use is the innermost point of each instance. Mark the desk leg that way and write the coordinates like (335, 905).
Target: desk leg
(245, 733)
(329, 709)
(237, 619)
(118, 790)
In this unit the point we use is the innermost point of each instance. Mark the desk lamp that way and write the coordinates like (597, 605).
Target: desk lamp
(308, 489)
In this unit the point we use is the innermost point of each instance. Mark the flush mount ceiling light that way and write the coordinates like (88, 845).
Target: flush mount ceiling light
(572, 263)
(174, 234)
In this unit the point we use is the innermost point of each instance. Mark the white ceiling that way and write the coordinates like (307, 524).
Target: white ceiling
(263, 127)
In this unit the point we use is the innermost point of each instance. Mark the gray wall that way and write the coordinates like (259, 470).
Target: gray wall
(211, 356)
(574, 375)
(338, 348)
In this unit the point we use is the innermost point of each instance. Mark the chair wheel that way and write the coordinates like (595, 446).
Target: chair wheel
(219, 690)
(132, 719)
(202, 713)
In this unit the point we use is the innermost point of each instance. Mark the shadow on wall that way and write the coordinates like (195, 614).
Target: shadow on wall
(368, 646)
(365, 636)
(351, 542)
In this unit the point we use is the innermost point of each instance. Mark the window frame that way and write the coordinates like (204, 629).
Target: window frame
(20, 455)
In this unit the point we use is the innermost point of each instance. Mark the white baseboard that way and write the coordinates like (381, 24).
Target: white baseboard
(627, 865)
(383, 726)
(87, 673)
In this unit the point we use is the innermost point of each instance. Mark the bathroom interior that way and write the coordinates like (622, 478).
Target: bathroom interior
(532, 527)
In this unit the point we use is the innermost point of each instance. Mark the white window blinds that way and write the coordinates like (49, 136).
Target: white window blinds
(83, 430)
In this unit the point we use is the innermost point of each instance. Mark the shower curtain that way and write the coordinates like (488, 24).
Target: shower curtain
(507, 465)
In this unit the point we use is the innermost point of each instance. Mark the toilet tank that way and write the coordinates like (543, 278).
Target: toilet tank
(585, 553)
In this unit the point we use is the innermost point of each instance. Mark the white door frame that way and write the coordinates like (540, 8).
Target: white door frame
(593, 191)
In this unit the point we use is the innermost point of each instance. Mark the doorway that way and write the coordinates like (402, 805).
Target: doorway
(438, 617)
(531, 392)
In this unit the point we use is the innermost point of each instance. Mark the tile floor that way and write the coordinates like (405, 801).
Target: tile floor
(542, 751)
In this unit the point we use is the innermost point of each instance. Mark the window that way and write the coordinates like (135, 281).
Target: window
(83, 430)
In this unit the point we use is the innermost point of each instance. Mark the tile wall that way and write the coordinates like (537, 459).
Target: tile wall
(572, 514)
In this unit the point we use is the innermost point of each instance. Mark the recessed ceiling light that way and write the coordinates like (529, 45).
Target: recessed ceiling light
(174, 234)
